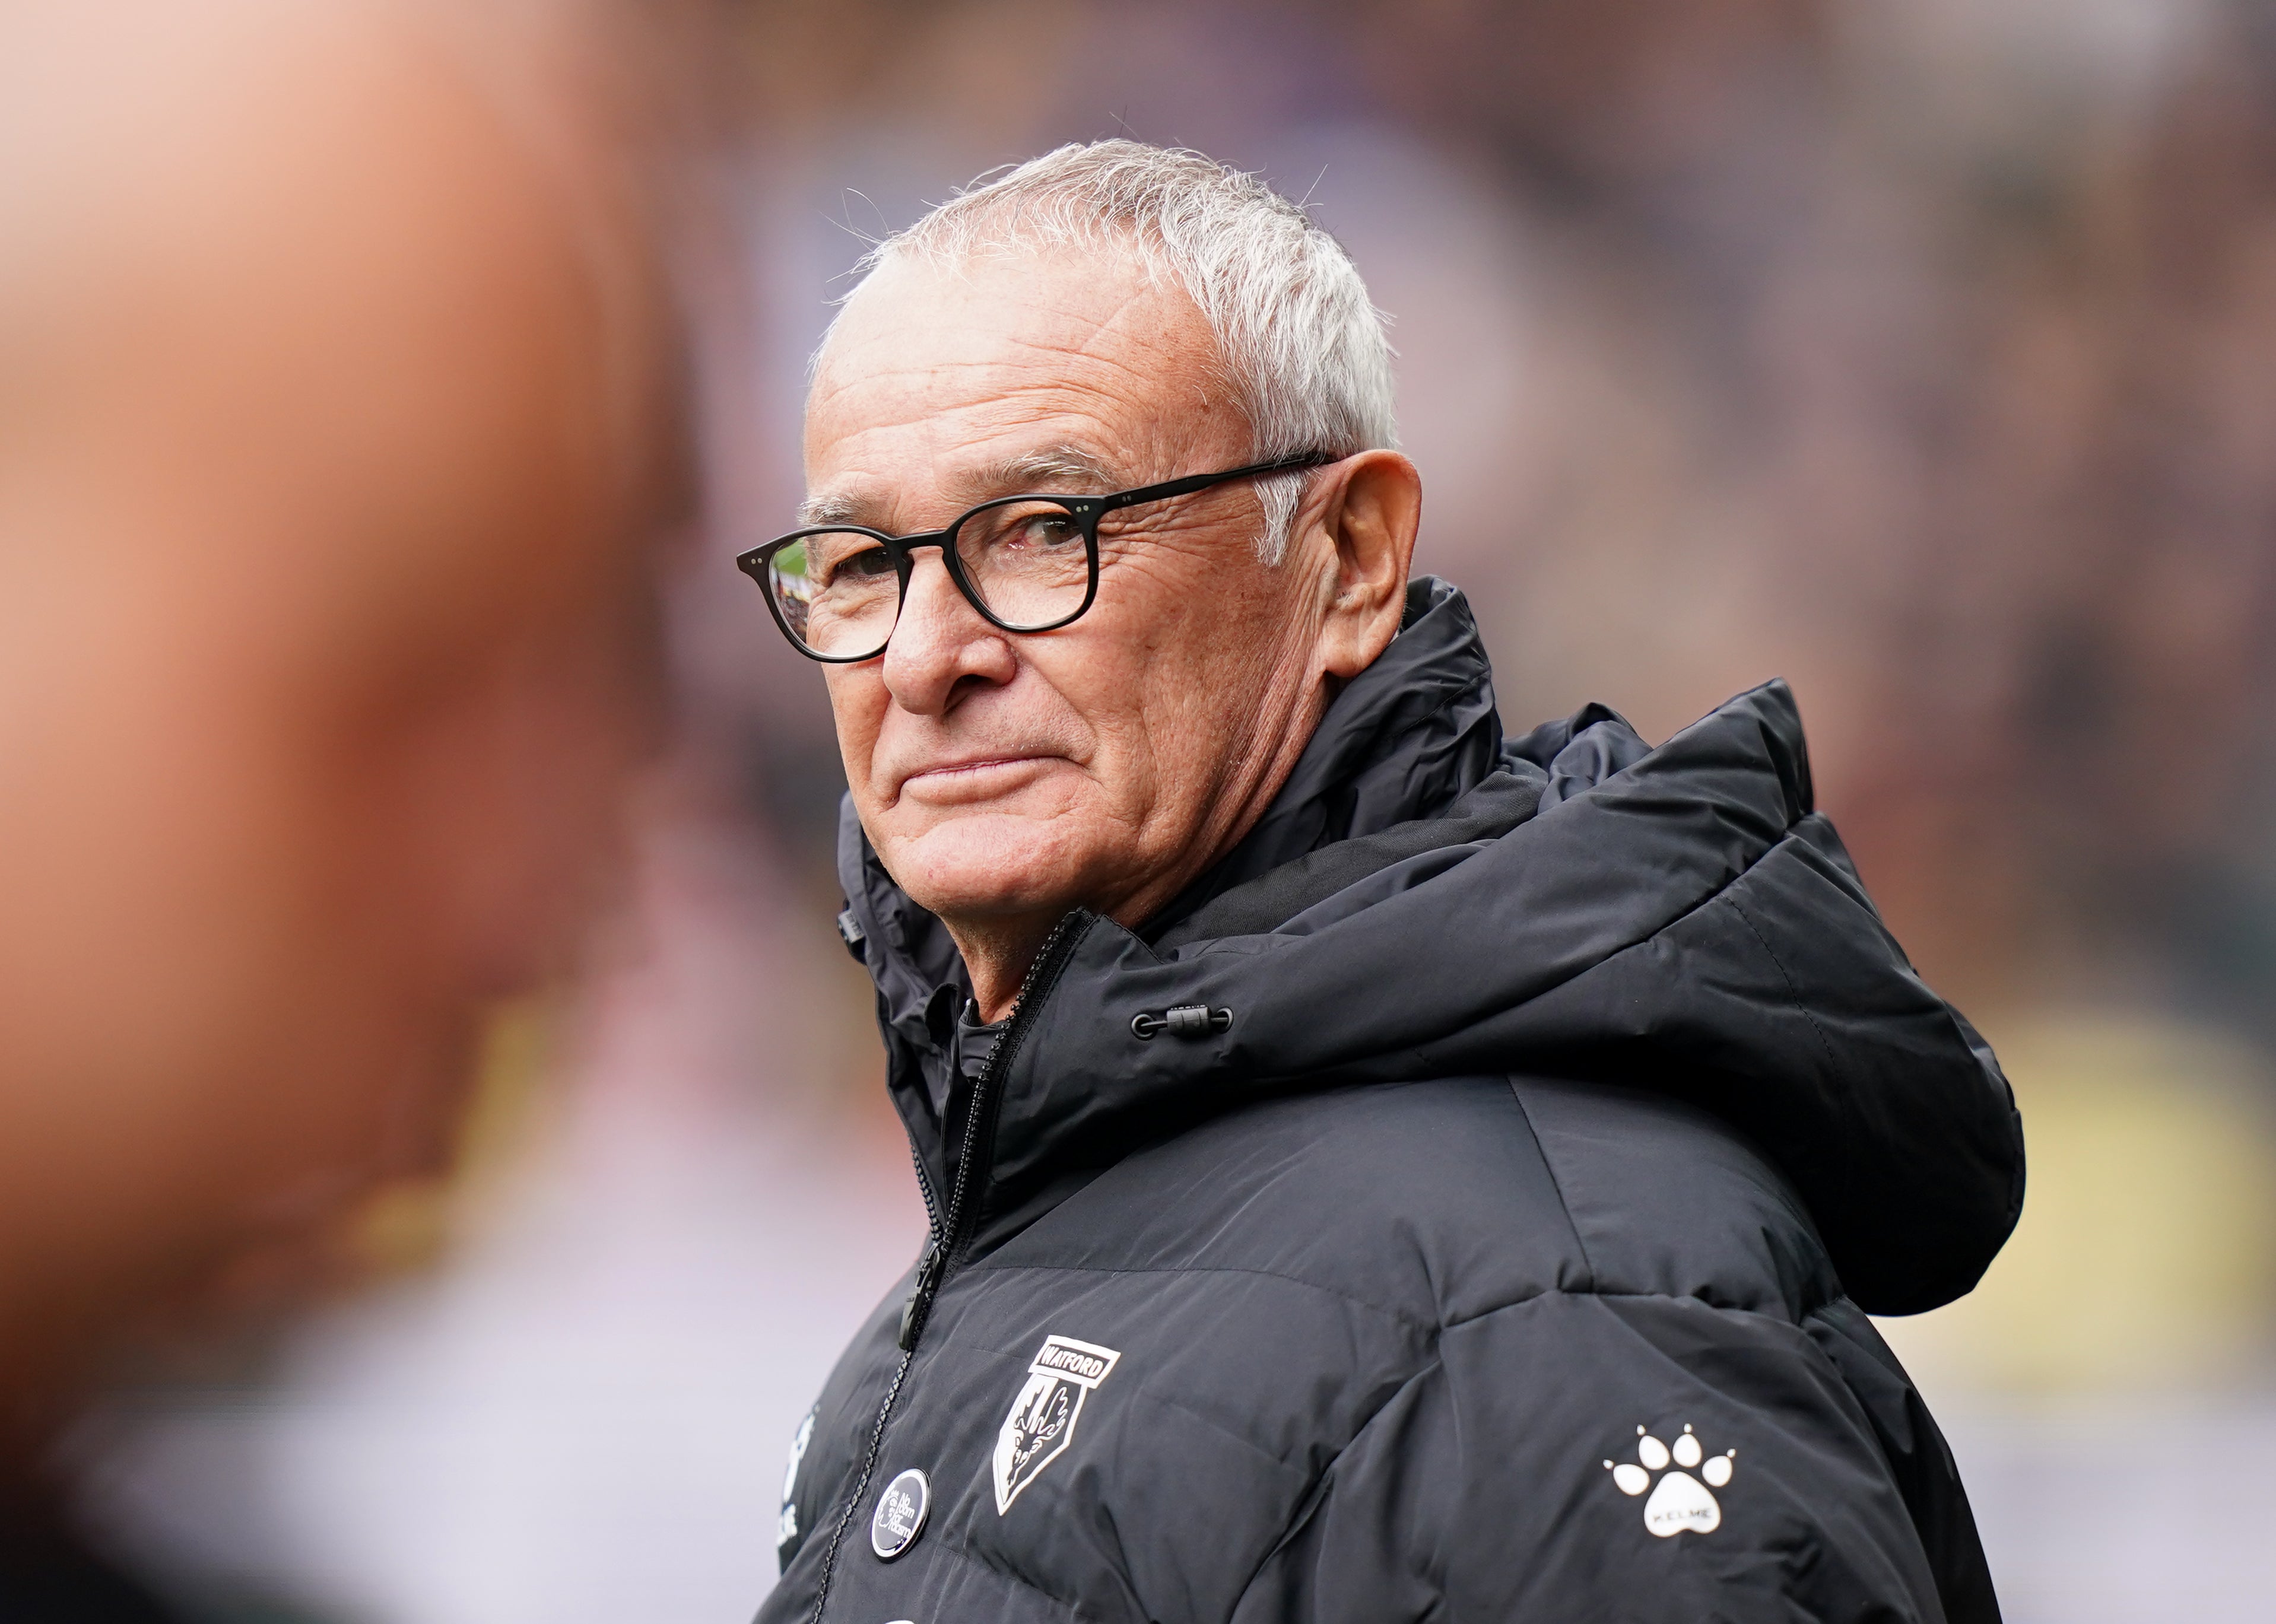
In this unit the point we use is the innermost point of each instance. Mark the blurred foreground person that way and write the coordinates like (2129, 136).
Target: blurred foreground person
(1379, 1169)
(335, 435)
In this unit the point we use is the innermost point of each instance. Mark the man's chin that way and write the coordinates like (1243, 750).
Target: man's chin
(993, 866)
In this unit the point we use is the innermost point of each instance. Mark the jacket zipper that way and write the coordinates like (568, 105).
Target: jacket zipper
(948, 1233)
(924, 1188)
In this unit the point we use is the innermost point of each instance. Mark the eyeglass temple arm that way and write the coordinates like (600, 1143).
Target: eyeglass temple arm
(1203, 482)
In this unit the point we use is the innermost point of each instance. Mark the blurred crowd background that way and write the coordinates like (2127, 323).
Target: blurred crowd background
(1923, 354)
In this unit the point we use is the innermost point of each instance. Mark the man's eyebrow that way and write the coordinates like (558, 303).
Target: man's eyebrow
(832, 507)
(1056, 465)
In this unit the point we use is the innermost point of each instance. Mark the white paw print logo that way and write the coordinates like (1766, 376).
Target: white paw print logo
(1680, 1501)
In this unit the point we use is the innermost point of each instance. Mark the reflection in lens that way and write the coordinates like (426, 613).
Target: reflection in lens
(1027, 561)
(793, 589)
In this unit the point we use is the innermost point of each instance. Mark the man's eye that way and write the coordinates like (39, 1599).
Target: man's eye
(864, 565)
(1047, 531)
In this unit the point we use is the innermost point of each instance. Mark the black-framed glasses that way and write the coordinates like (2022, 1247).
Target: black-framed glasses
(1027, 564)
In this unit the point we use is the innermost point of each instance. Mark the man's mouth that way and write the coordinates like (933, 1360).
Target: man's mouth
(974, 778)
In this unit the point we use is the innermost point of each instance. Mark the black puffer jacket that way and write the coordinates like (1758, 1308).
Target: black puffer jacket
(1480, 1228)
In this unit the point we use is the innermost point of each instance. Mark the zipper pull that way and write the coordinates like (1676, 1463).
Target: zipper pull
(921, 1295)
(1185, 1020)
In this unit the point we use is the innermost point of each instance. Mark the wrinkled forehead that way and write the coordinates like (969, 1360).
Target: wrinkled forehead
(936, 374)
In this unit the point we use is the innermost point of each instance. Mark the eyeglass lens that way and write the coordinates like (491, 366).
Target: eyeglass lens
(840, 592)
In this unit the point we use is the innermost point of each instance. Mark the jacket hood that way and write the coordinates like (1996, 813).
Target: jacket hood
(1424, 899)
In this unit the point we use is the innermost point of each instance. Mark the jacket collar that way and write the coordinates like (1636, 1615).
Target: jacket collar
(1406, 737)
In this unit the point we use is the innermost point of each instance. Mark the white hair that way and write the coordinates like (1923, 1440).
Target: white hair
(1304, 350)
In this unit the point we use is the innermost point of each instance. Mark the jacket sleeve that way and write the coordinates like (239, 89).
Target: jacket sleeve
(1651, 1459)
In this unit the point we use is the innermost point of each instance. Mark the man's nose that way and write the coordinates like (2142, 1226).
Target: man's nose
(941, 641)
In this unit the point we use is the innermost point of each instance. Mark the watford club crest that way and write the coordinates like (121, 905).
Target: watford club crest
(1043, 1416)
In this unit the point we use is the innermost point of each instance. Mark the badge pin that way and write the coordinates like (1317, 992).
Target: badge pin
(1042, 1419)
(900, 1514)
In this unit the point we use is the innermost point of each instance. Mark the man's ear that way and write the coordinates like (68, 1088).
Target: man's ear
(1370, 515)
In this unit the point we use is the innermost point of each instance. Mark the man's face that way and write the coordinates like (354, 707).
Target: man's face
(1008, 777)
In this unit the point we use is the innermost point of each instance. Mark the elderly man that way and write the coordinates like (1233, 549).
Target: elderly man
(337, 439)
(1378, 1170)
